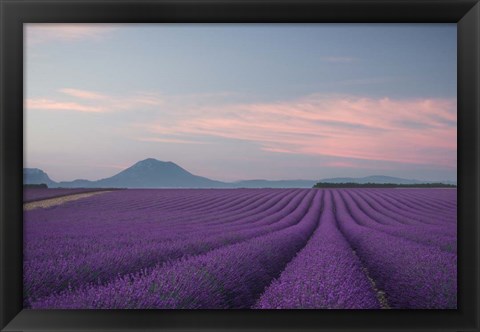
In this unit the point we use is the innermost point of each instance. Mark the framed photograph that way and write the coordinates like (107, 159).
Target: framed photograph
(228, 165)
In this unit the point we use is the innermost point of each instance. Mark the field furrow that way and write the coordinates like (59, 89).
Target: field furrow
(412, 275)
(425, 208)
(326, 274)
(99, 266)
(244, 248)
(402, 215)
(229, 277)
(420, 234)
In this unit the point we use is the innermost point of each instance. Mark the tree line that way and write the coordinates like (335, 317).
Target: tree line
(382, 185)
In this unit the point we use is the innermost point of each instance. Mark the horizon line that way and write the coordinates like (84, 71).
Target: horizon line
(241, 180)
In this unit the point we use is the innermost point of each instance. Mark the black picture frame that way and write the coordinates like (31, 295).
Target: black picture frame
(465, 13)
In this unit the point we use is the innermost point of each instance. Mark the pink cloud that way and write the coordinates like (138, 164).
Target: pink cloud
(138, 99)
(46, 104)
(38, 33)
(415, 131)
(341, 164)
(83, 94)
(95, 102)
(384, 129)
(279, 150)
(167, 140)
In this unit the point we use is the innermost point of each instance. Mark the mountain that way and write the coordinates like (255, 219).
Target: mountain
(152, 173)
(36, 176)
(373, 179)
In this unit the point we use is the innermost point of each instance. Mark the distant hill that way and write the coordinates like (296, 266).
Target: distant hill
(373, 179)
(36, 176)
(153, 173)
(274, 184)
(148, 173)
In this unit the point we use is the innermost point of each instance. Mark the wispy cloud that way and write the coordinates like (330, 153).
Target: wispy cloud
(38, 33)
(52, 105)
(167, 140)
(78, 100)
(341, 164)
(82, 94)
(338, 126)
(415, 131)
(138, 99)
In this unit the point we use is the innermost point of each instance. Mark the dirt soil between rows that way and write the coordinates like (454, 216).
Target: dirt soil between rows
(49, 202)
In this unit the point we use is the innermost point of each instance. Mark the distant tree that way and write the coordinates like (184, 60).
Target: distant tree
(382, 185)
(39, 186)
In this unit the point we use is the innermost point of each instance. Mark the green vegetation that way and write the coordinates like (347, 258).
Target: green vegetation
(41, 185)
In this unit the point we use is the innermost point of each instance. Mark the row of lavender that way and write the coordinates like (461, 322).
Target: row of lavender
(244, 248)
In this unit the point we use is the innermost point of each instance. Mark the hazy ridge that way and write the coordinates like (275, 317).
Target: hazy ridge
(152, 173)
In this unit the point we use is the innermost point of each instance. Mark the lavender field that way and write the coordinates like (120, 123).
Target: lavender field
(244, 248)
(37, 194)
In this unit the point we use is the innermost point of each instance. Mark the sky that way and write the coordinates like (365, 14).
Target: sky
(242, 101)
